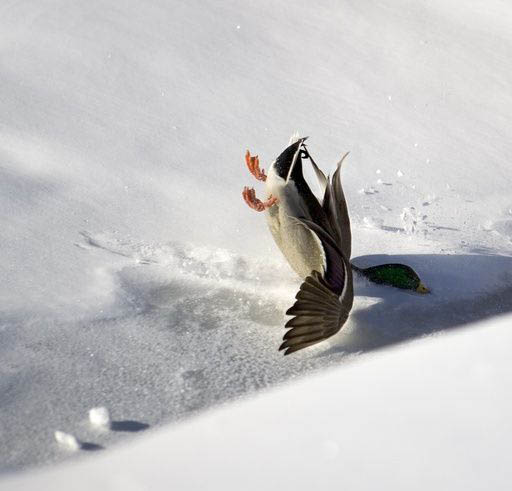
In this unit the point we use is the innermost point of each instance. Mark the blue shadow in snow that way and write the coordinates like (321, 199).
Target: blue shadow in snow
(464, 289)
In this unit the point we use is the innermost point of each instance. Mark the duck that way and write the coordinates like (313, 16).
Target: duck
(315, 238)
(396, 275)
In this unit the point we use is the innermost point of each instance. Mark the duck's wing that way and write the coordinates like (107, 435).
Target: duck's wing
(323, 302)
(321, 177)
(335, 208)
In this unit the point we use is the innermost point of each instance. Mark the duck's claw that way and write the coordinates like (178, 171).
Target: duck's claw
(249, 196)
(253, 163)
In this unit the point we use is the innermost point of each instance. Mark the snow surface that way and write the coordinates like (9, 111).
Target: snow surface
(389, 421)
(134, 277)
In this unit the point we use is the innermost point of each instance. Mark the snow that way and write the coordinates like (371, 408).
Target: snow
(99, 417)
(389, 420)
(134, 277)
(68, 442)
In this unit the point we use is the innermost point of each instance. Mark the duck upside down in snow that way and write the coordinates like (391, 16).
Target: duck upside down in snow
(315, 238)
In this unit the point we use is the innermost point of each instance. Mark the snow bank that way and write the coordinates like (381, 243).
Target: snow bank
(430, 415)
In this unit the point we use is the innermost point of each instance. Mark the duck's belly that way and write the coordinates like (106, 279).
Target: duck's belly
(300, 246)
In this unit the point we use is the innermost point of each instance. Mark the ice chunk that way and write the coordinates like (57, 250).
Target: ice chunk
(399, 173)
(67, 441)
(100, 417)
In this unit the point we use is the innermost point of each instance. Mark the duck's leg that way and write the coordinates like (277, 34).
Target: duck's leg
(253, 163)
(249, 196)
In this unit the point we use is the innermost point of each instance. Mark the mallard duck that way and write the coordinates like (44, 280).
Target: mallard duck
(315, 238)
(309, 236)
(393, 274)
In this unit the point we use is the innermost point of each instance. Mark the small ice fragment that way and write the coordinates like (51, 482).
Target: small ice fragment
(448, 186)
(427, 161)
(399, 173)
(99, 416)
(377, 171)
(385, 208)
(67, 441)
(379, 181)
(238, 27)
(415, 145)
(389, 98)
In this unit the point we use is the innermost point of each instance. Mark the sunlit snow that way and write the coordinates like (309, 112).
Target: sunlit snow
(135, 278)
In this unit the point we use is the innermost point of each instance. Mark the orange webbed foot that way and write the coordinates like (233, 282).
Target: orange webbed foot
(253, 163)
(249, 196)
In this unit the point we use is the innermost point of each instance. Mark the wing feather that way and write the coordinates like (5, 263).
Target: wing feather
(321, 316)
(335, 208)
(323, 302)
